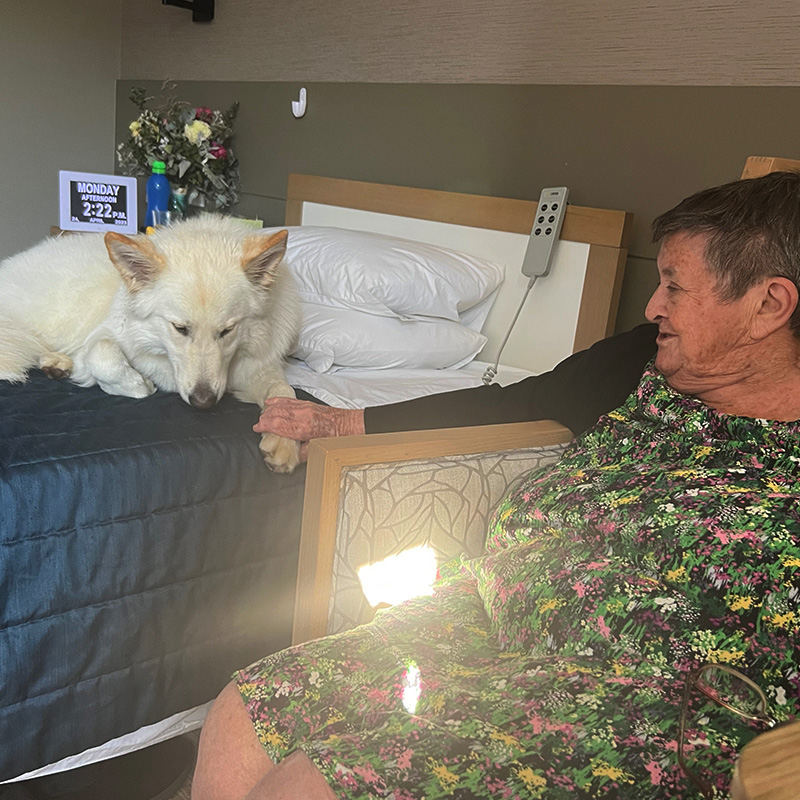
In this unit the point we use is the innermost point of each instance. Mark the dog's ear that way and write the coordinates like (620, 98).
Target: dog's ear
(261, 256)
(136, 259)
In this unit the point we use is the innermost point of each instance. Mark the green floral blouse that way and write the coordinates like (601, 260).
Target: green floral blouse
(553, 667)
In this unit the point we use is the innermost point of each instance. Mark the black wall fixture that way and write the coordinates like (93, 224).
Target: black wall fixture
(202, 10)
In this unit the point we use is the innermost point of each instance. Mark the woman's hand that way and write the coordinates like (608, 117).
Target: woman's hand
(302, 420)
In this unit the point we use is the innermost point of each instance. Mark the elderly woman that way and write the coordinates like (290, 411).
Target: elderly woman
(666, 537)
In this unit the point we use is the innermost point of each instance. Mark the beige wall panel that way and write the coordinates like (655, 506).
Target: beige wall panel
(730, 42)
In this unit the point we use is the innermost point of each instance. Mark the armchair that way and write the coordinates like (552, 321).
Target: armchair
(368, 497)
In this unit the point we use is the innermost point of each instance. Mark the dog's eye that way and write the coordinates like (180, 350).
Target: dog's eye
(224, 333)
(183, 330)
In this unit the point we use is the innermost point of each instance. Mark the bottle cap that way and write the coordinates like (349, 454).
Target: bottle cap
(159, 167)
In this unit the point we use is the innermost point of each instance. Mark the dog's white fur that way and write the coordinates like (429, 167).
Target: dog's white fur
(199, 308)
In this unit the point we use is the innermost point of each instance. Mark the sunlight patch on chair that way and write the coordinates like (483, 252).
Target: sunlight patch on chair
(399, 577)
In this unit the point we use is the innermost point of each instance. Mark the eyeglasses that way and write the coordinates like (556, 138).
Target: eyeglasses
(729, 688)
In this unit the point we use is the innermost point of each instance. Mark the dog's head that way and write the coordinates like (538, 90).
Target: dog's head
(196, 295)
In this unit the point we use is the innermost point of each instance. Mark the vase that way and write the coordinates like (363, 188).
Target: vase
(179, 202)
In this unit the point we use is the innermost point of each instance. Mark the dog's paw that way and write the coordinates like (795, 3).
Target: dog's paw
(133, 385)
(280, 455)
(56, 365)
(140, 387)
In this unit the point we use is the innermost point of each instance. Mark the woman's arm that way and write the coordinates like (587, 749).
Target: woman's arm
(576, 393)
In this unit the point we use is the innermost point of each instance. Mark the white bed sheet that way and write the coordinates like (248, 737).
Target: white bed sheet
(176, 725)
(359, 388)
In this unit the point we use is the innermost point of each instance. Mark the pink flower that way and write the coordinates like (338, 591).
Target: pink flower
(203, 113)
(218, 151)
(536, 723)
(656, 773)
(367, 773)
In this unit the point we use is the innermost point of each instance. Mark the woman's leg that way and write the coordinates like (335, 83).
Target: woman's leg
(230, 759)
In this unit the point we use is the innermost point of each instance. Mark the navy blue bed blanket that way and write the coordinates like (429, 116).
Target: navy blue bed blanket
(146, 552)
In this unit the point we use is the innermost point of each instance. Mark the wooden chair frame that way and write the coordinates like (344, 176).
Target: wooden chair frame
(329, 458)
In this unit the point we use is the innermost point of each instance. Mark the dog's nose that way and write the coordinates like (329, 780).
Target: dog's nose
(203, 396)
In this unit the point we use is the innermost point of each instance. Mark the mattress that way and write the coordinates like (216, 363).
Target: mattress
(145, 553)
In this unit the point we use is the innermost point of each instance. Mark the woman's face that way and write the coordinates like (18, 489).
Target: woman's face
(703, 342)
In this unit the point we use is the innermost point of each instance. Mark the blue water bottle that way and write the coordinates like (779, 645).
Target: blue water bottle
(158, 195)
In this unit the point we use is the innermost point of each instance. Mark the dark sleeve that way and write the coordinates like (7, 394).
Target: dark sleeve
(576, 393)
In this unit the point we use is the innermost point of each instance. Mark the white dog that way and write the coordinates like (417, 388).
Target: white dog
(197, 308)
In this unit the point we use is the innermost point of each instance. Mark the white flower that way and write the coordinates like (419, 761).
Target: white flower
(668, 603)
(780, 695)
(761, 511)
(588, 700)
(197, 132)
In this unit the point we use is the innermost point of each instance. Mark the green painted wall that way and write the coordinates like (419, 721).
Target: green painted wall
(639, 148)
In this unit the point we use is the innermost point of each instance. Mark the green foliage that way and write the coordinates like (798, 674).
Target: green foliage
(193, 142)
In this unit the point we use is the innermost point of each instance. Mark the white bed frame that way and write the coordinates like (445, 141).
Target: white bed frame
(569, 310)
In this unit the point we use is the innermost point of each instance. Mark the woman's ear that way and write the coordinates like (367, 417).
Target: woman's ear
(778, 303)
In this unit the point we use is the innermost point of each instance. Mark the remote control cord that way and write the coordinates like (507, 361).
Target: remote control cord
(491, 371)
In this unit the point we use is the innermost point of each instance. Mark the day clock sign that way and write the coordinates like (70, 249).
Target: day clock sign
(94, 202)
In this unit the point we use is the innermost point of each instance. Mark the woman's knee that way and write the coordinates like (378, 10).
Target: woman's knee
(230, 759)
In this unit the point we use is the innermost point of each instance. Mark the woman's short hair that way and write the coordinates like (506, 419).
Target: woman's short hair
(753, 229)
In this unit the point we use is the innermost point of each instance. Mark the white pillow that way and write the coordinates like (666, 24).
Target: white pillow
(386, 275)
(332, 337)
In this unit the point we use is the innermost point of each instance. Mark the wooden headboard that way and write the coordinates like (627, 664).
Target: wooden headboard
(593, 240)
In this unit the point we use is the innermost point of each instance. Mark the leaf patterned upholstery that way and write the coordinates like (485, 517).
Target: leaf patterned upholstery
(445, 502)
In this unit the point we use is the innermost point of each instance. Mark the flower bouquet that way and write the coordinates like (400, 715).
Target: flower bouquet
(194, 143)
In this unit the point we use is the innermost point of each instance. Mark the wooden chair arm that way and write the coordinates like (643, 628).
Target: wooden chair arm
(329, 458)
(769, 766)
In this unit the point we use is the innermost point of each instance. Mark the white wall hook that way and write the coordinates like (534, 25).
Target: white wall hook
(299, 106)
